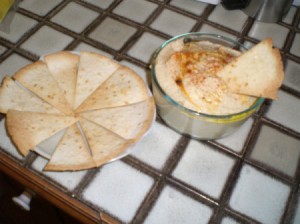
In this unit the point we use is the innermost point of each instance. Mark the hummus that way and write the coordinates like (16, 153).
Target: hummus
(187, 73)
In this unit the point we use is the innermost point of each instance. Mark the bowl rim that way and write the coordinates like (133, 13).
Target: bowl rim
(246, 112)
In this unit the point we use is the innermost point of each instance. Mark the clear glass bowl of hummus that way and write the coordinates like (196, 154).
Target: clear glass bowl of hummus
(189, 96)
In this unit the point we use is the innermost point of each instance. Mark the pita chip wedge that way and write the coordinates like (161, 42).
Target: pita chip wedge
(71, 153)
(63, 66)
(28, 129)
(130, 122)
(93, 70)
(257, 72)
(37, 78)
(104, 144)
(124, 87)
(12, 96)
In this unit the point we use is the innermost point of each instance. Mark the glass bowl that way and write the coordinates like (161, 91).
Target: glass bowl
(189, 122)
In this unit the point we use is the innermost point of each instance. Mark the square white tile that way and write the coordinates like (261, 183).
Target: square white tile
(259, 196)
(228, 220)
(19, 26)
(285, 111)
(100, 3)
(112, 33)
(173, 23)
(6, 142)
(207, 169)
(261, 30)
(228, 18)
(237, 140)
(46, 40)
(68, 179)
(12, 64)
(289, 17)
(248, 44)
(143, 73)
(295, 48)
(277, 150)
(68, 17)
(119, 189)
(155, 147)
(190, 6)
(144, 48)
(136, 10)
(292, 75)
(210, 29)
(38, 7)
(174, 207)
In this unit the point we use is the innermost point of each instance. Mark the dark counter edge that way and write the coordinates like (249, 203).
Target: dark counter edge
(42, 188)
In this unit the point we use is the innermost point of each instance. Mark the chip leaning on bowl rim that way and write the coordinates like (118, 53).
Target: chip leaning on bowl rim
(188, 120)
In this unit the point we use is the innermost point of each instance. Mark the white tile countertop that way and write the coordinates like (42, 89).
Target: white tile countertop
(252, 176)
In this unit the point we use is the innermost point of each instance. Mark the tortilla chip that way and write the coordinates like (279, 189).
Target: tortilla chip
(38, 79)
(93, 70)
(63, 66)
(130, 122)
(28, 129)
(14, 97)
(105, 145)
(41, 104)
(257, 72)
(124, 87)
(71, 153)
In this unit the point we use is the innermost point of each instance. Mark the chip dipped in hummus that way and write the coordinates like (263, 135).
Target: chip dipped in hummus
(191, 74)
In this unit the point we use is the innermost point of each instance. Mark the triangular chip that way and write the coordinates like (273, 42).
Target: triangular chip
(122, 88)
(93, 70)
(28, 129)
(71, 153)
(257, 72)
(37, 78)
(130, 122)
(63, 66)
(15, 97)
(104, 144)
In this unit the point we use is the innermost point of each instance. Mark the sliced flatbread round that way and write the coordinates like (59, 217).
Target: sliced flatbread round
(28, 129)
(41, 103)
(257, 72)
(14, 97)
(71, 153)
(130, 122)
(63, 66)
(104, 144)
(122, 88)
(93, 70)
(37, 78)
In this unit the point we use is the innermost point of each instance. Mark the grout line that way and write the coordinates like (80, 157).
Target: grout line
(292, 201)
(176, 154)
(281, 127)
(192, 192)
(148, 203)
(240, 217)
(86, 180)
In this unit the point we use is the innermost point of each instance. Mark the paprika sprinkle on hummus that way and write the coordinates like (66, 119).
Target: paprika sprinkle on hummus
(187, 73)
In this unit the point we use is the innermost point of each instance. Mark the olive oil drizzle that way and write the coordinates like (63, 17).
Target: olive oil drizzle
(188, 59)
